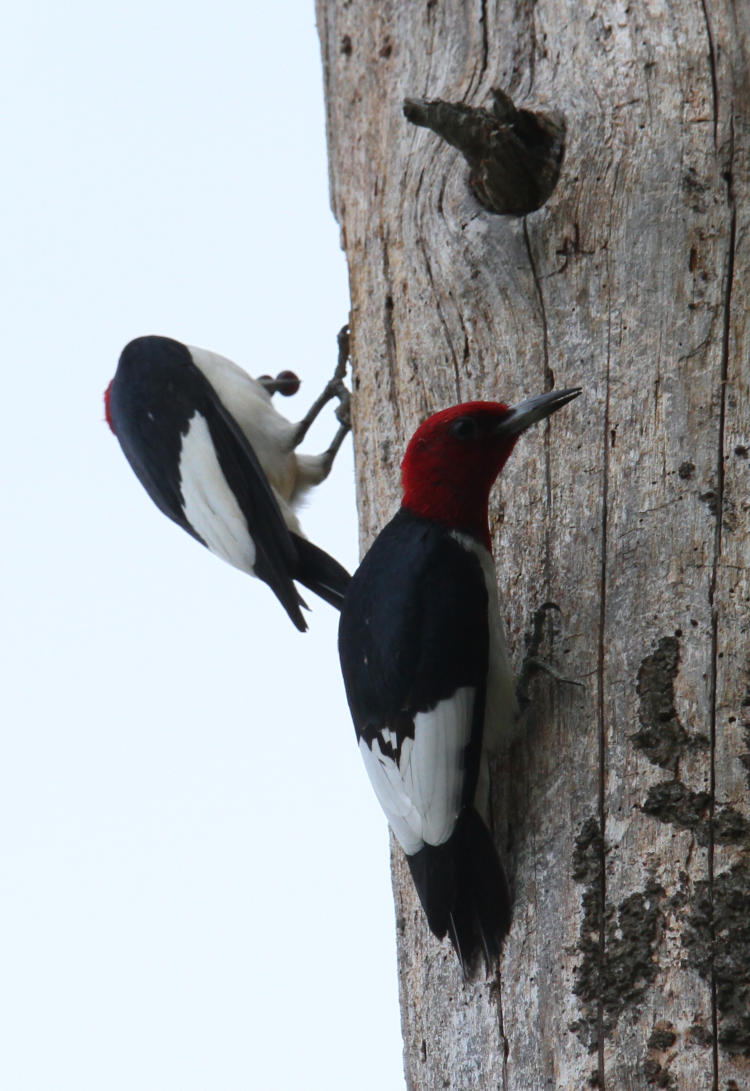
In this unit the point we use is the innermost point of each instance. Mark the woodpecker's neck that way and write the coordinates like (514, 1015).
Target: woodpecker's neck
(461, 506)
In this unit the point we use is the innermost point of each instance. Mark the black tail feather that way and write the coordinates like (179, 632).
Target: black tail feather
(464, 892)
(320, 572)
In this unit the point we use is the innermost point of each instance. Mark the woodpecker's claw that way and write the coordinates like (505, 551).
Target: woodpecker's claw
(334, 388)
(532, 663)
(540, 665)
(343, 410)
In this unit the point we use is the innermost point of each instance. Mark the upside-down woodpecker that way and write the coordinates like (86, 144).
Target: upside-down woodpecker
(426, 671)
(214, 454)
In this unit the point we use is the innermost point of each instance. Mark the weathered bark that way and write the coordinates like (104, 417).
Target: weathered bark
(623, 810)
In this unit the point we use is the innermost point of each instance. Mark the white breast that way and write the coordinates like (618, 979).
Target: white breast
(501, 708)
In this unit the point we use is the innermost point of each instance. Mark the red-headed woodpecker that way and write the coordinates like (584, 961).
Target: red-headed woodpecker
(426, 670)
(212, 452)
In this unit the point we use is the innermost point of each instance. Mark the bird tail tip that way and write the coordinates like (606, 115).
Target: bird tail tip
(320, 572)
(481, 916)
(464, 892)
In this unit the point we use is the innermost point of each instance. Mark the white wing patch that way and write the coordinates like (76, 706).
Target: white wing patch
(211, 507)
(421, 793)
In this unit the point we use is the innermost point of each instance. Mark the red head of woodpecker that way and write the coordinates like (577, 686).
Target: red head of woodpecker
(213, 453)
(426, 670)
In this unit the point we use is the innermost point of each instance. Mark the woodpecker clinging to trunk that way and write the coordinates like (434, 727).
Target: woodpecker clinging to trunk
(213, 453)
(426, 671)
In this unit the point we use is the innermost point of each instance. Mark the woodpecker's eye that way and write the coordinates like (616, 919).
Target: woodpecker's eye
(464, 428)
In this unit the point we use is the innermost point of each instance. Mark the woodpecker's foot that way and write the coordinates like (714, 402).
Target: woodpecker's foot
(334, 388)
(345, 426)
(514, 155)
(533, 663)
(343, 409)
(331, 390)
(344, 351)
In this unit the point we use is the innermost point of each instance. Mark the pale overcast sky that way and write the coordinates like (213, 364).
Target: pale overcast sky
(195, 886)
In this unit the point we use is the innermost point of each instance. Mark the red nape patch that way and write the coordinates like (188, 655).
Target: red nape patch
(107, 409)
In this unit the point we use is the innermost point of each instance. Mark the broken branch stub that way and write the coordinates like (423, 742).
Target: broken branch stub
(514, 155)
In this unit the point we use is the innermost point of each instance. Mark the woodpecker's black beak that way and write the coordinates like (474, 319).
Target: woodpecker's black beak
(531, 410)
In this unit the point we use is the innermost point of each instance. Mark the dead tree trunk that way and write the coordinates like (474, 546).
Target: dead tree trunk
(623, 810)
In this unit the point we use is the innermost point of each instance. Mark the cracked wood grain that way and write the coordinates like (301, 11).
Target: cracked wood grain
(631, 515)
(601, 661)
(719, 516)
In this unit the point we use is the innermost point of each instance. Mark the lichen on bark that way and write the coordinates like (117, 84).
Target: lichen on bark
(717, 945)
(616, 967)
(662, 737)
